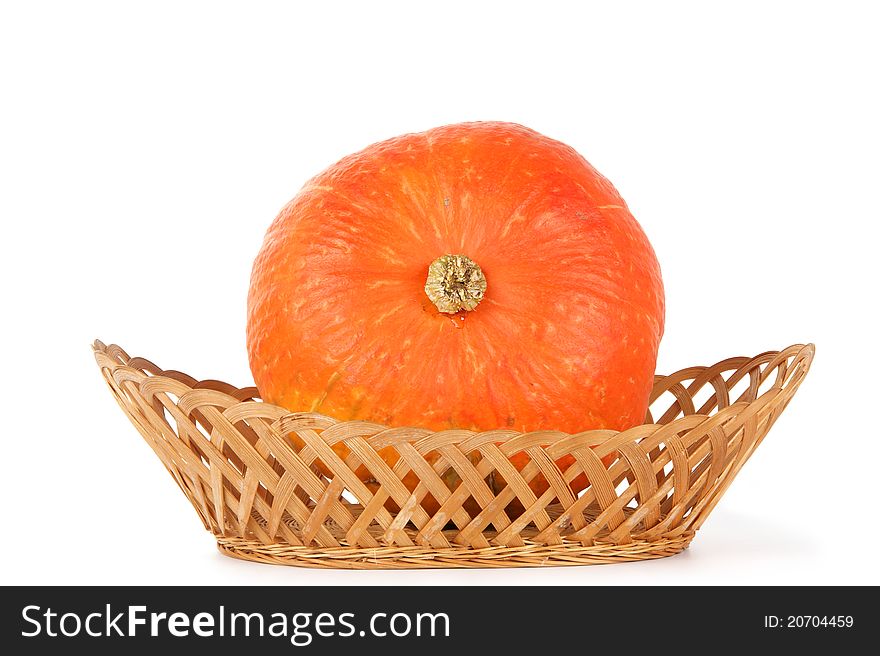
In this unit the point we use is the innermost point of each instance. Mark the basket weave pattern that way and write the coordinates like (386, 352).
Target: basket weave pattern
(267, 500)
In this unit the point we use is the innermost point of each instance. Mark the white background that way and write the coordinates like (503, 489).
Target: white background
(144, 149)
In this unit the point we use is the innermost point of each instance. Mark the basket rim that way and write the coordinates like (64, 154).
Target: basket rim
(139, 369)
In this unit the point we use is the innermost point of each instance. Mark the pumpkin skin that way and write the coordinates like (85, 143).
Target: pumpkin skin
(565, 337)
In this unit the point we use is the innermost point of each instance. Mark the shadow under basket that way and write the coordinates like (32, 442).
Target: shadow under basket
(270, 487)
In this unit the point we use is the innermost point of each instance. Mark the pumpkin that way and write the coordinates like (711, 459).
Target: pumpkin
(474, 276)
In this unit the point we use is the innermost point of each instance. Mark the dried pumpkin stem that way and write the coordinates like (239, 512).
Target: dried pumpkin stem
(455, 283)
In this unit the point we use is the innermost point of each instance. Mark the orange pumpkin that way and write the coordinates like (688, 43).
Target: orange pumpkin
(474, 276)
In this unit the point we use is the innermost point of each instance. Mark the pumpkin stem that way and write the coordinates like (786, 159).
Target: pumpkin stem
(455, 283)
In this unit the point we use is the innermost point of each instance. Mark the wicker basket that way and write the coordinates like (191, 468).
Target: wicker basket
(264, 500)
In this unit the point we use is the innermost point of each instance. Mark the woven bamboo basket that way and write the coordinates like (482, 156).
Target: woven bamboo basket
(265, 500)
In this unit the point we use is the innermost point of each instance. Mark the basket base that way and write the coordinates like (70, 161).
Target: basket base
(530, 555)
